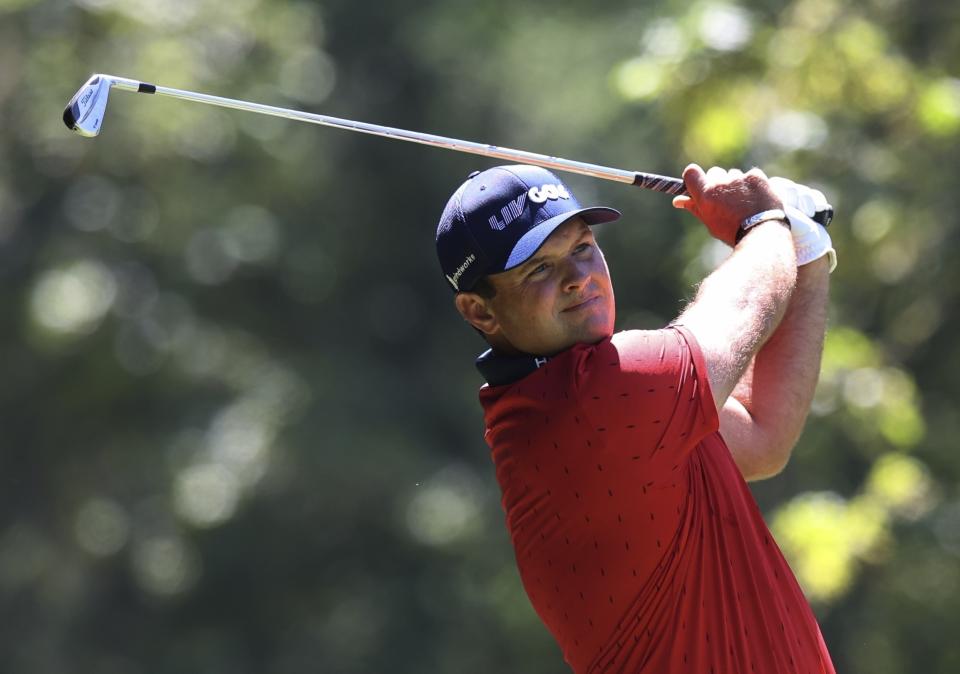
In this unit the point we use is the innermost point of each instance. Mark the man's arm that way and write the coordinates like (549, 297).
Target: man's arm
(764, 416)
(739, 305)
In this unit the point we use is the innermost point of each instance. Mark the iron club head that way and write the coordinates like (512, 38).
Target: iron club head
(84, 112)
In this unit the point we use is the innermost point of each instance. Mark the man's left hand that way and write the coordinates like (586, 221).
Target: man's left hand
(801, 204)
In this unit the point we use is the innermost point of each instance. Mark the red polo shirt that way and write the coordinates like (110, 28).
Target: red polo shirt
(637, 539)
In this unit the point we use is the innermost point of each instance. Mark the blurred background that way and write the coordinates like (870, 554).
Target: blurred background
(240, 429)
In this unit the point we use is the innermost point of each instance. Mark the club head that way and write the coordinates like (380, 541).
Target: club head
(84, 113)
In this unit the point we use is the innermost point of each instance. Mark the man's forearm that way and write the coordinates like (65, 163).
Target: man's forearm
(779, 388)
(739, 306)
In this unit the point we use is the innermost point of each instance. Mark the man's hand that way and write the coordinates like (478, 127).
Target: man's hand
(802, 204)
(808, 200)
(723, 199)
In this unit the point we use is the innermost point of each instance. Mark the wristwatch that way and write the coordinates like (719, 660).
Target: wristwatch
(762, 216)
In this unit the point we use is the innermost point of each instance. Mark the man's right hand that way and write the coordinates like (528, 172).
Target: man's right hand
(723, 199)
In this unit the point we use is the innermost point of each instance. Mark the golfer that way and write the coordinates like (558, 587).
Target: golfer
(623, 457)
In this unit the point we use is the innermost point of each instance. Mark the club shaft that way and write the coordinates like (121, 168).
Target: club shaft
(646, 180)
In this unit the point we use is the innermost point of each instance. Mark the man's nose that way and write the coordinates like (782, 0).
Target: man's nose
(576, 274)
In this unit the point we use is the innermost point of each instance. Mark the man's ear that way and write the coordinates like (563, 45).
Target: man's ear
(477, 312)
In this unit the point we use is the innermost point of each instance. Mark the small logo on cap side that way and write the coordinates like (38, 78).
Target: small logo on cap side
(455, 279)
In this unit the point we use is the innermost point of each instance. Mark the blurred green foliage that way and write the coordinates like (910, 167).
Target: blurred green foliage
(240, 421)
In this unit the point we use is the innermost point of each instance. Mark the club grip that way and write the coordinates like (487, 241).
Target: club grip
(668, 185)
(658, 183)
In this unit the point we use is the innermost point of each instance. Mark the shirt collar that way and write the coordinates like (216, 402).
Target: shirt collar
(500, 369)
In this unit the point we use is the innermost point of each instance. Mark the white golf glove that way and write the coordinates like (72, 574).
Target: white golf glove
(810, 238)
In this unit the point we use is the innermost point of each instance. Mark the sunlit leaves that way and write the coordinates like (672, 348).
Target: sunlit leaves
(717, 134)
(826, 537)
(793, 130)
(823, 535)
(13, 5)
(102, 527)
(445, 508)
(938, 108)
(308, 75)
(72, 300)
(874, 219)
(901, 483)
(206, 495)
(165, 565)
(847, 348)
(725, 26)
(249, 235)
(638, 79)
(883, 400)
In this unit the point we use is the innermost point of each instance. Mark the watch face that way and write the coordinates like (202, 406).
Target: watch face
(763, 216)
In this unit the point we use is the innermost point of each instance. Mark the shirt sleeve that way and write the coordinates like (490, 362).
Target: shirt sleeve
(648, 389)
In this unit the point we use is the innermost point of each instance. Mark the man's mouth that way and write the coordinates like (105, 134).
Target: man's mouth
(584, 304)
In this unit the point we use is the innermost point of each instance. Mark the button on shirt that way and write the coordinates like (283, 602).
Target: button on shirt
(637, 540)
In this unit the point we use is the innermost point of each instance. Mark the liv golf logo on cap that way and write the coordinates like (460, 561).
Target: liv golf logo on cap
(537, 195)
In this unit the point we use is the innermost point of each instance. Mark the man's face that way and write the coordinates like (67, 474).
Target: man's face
(559, 297)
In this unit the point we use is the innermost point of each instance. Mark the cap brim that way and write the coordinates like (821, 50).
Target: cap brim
(530, 242)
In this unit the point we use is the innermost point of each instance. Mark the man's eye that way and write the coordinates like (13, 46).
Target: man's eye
(582, 247)
(539, 269)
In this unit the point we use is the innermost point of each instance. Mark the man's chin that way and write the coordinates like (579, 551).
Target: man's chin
(588, 335)
(595, 327)
(594, 336)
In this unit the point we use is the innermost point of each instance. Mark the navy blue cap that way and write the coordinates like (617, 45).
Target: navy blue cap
(500, 217)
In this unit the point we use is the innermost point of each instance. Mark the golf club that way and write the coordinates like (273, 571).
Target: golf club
(84, 114)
